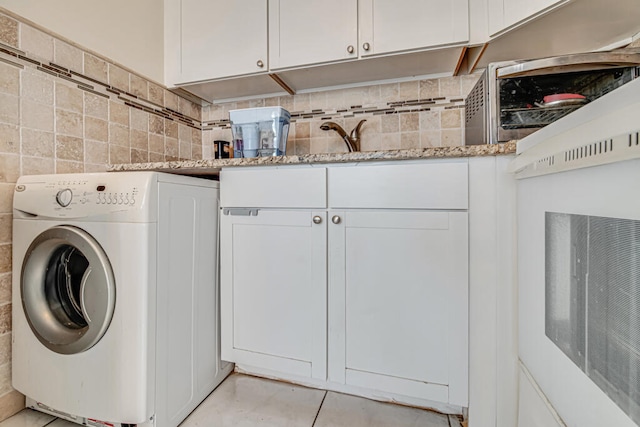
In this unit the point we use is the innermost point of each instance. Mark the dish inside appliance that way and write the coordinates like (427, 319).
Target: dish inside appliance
(536, 101)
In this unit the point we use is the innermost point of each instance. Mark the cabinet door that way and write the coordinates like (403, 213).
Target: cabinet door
(506, 13)
(312, 31)
(401, 291)
(209, 39)
(273, 291)
(389, 26)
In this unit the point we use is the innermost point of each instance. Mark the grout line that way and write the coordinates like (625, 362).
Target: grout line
(319, 408)
(53, 420)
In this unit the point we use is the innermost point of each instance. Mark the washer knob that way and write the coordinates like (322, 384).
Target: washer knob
(64, 197)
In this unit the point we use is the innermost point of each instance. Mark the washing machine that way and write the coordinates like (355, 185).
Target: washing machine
(115, 296)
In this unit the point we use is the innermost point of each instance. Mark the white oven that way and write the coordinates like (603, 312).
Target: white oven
(578, 208)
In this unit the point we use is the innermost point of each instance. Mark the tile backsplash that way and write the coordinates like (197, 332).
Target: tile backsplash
(412, 114)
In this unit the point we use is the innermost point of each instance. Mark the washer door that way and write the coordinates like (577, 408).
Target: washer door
(68, 289)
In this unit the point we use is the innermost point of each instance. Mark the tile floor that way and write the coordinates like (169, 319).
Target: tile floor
(244, 401)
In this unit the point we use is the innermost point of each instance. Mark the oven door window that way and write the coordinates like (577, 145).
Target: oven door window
(592, 300)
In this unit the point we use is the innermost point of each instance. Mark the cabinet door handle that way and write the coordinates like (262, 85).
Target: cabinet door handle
(317, 219)
(350, 49)
(260, 63)
(335, 219)
(366, 46)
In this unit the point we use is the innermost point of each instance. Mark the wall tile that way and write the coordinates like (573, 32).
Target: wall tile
(5, 348)
(118, 135)
(171, 148)
(302, 146)
(139, 156)
(170, 128)
(156, 143)
(139, 86)
(8, 31)
(171, 100)
(139, 140)
(6, 197)
(184, 133)
(9, 109)
(156, 94)
(409, 122)
(430, 138)
(185, 150)
(5, 287)
(68, 56)
(409, 90)
(69, 148)
(37, 43)
(96, 129)
(9, 167)
(69, 123)
(139, 120)
(450, 119)
(93, 168)
(196, 136)
(96, 106)
(119, 154)
(37, 86)
(9, 78)
(429, 120)
(5, 315)
(156, 124)
(36, 116)
(429, 89)
(119, 78)
(390, 123)
(118, 113)
(38, 165)
(5, 228)
(9, 138)
(10, 404)
(96, 152)
(156, 157)
(69, 98)
(450, 86)
(451, 137)
(38, 143)
(5, 267)
(65, 166)
(409, 140)
(95, 68)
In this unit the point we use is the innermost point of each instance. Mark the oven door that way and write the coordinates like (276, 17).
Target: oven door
(579, 291)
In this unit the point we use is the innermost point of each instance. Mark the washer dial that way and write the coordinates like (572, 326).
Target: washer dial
(64, 197)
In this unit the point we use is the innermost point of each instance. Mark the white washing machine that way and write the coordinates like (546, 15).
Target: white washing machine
(115, 296)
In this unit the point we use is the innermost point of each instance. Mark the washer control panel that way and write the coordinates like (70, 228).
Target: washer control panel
(81, 195)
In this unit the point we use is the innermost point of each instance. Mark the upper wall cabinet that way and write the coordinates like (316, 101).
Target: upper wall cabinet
(210, 39)
(312, 31)
(321, 31)
(506, 13)
(387, 26)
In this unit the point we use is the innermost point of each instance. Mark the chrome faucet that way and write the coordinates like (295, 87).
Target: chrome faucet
(352, 140)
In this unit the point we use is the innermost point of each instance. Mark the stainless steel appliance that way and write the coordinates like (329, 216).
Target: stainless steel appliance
(516, 98)
(578, 235)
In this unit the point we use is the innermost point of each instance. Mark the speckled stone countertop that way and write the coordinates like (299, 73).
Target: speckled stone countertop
(213, 167)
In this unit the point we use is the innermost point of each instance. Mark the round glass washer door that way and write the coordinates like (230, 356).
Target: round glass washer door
(68, 289)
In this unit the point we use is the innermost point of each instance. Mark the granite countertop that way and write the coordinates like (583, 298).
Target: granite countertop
(213, 166)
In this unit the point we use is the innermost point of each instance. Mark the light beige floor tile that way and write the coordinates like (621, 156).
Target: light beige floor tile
(27, 418)
(243, 401)
(344, 410)
(62, 423)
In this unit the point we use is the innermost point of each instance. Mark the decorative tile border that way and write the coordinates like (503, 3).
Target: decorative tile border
(392, 107)
(19, 59)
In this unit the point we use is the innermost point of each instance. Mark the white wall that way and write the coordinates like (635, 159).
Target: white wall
(129, 32)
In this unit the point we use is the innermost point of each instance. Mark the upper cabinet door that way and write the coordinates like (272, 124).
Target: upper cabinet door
(312, 31)
(506, 13)
(388, 26)
(209, 39)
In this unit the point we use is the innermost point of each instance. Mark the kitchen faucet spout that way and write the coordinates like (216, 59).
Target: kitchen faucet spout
(352, 140)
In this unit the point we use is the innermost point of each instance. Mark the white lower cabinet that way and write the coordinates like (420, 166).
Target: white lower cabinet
(274, 298)
(365, 288)
(399, 298)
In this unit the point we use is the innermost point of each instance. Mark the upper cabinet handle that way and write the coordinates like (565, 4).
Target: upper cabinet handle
(260, 63)
(366, 46)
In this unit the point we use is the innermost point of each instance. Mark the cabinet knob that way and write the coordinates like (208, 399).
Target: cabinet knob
(366, 46)
(335, 219)
(317, 219)
(350, 49)
(260, 63)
